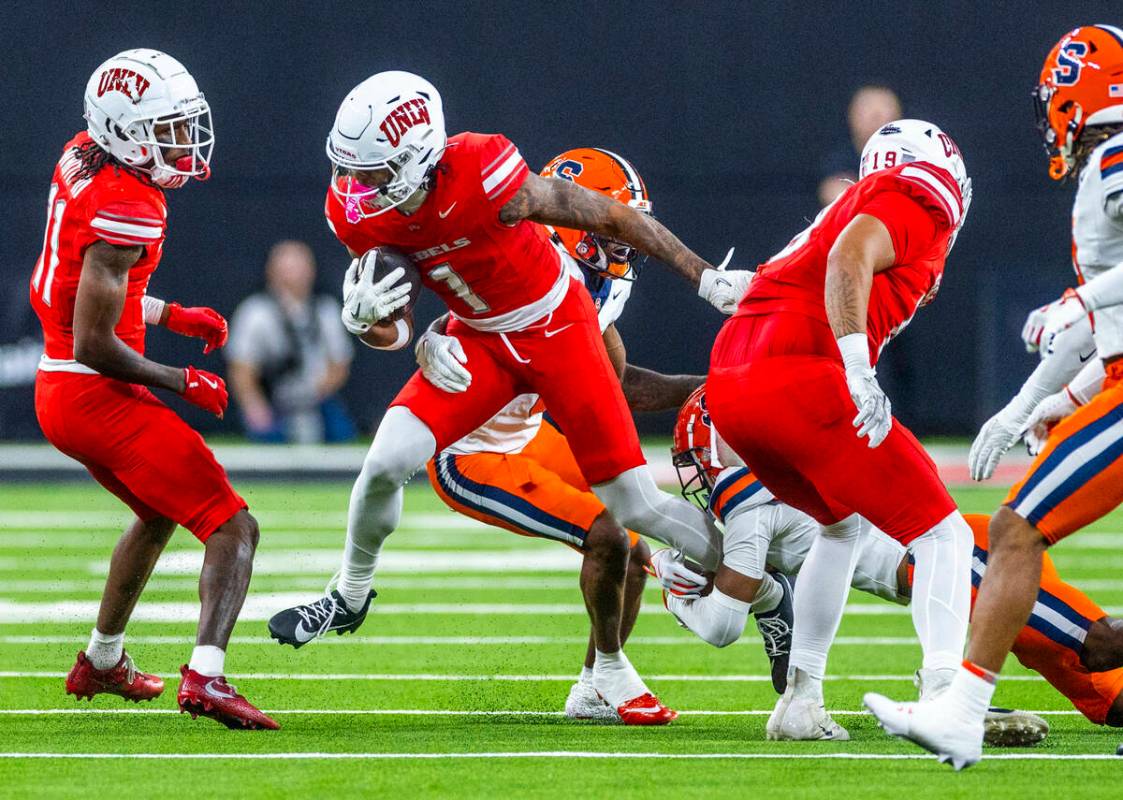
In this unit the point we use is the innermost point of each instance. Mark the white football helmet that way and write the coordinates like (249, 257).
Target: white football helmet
(908, 140)
(137, 105)
(392, 122)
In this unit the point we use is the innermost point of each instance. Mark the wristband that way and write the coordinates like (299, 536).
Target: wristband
(153, 309)
(401, 327)
(855, 350)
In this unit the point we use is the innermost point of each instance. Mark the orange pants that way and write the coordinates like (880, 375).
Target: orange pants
(537, 492)
(1078, 477)
(1053, 638)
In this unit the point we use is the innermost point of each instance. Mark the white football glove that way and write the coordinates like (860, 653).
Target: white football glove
(997, 435)
(667, 567)
(1064, 314)
(723, 288)
(1048, 413)
(875, 412)
(441, 359)
(367, 303)
(1035, 325)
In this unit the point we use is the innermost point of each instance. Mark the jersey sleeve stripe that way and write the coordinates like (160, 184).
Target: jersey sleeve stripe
(127, 230)
(518, 173)
(949, 200)
(510, 148)
(124, 218)
(502, 173)
(1115, 169)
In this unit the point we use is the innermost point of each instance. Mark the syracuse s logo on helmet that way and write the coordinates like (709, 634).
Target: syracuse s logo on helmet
(1069, 63)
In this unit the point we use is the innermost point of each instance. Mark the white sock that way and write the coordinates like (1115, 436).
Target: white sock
(941, 591)
(586, 675)
(104, 650)
(616, 679)
(971, 693)
(805, 686)
(768, 596)
(401, 446)
(821, 592)
(208, 660)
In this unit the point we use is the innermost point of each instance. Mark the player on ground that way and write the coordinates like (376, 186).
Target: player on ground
(803, 345)
(1069, 639)
(1076, 478)
(148, 130)
(470, 215)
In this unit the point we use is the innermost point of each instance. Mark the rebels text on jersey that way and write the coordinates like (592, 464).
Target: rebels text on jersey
(113, 206)
(479, 266)
(921, 207)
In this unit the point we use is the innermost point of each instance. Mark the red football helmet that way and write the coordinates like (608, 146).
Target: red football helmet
(692, 450)
(1081, 85)
(612, 176)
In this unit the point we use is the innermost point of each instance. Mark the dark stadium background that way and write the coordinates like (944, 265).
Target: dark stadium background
(725, 108)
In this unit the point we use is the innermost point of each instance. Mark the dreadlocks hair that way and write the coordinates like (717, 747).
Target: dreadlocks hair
(93, 157)
(1091, 138)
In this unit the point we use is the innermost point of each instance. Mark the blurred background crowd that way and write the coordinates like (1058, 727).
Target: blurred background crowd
(739, 148)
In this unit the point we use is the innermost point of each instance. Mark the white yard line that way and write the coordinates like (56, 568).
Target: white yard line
(560, 754)
(425, 712)
(426, 676)
(450, 641)
(311, 520)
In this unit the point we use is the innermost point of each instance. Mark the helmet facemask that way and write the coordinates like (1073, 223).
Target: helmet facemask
(694, 476)
(190, 131)
(369, 190)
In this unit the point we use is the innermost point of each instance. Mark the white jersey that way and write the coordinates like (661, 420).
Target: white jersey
(1097, 236)
(760, 531)
(518, 422)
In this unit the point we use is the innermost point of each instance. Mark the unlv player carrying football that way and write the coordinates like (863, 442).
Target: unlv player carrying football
(470, 214)
(148, 130)
(803, 345)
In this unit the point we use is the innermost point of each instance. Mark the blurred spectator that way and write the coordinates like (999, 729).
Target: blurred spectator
(871, 107)
(289, 355)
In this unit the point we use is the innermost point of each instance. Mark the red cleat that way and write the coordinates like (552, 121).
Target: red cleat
(124, 680)
(645, 710)
(203, 695)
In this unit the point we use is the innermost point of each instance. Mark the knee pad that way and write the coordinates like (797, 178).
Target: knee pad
(402, 444)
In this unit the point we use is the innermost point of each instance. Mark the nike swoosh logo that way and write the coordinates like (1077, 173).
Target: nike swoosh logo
(559, 330)
(1084, 358)
(209, 382)
(303, 635)
(447, 211)
(211, 689)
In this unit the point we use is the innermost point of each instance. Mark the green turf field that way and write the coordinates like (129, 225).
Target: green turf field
(454, 686)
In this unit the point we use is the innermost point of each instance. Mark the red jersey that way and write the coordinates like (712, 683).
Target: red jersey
(921, 207)
(482, 268)
(114, 206)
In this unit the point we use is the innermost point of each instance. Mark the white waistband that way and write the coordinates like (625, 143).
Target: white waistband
(521, 318)
(64, 365)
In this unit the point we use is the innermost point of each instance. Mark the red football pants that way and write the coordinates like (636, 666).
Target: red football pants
(787, 412)
(562, 359)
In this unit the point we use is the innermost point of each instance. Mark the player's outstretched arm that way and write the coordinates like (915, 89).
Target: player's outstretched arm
(102, 289)
(645, 390)
(551, 201)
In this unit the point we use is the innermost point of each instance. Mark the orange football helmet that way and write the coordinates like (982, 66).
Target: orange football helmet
(613, 177)
(692, 451)
(1081, 85)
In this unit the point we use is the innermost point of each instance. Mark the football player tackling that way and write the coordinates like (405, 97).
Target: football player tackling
(1076, 478)
(470, 215)
(803, 345)
(148, 130)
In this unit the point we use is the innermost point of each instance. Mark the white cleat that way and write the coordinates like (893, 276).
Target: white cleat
(584, 703)
(932, 725)
(799, 719)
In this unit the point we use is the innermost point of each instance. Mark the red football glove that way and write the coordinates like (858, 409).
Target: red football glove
(203, 323)
(205, 390)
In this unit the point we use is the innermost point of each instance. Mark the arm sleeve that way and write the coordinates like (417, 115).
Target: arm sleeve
(1104, 290)
(502, 169)
(912, 227)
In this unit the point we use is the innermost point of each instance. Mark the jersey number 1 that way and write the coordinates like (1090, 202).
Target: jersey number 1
(48, 260)
(447, 275)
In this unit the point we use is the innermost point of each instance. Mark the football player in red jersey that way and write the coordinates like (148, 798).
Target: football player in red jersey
(803, 344)
(470, 214)
(148, 130)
